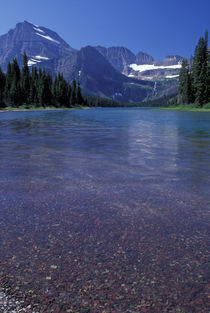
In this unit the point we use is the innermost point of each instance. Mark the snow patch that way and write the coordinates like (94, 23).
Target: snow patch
(36, 59)
(32, 62)
(146, 67)
(48, 38)
(41, 58)
(172, 76)
(32, 24)
(38, 30)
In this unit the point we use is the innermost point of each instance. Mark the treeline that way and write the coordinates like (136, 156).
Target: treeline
(37, 88)
(194, 77)
(165, 101)
(103, 102)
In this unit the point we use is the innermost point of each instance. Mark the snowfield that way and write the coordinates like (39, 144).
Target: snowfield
(48, 38)
(32, 62)
(38, 29)
(149, 67)
(172, 76)
(37, 59)
(41, 58)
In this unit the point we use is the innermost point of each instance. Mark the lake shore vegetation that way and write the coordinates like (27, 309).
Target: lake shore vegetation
(189, 107)
(194, 77)
(193, 84)
(35, 89)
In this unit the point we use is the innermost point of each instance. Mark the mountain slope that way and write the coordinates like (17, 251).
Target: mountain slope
(143, 58)
(142, 65)
(38, 42)
(113, 72)
(98, 76)
(118, 57)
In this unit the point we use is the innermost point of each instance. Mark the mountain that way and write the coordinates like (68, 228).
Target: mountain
(98, 77)
(142, 65)
(172, 60)
(38, 42)
(118, 57)
(143, 58)
(114, 72)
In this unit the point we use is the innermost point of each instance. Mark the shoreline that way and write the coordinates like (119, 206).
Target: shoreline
(27, 110)
(40, 109)
(183, 109)
(180, 109)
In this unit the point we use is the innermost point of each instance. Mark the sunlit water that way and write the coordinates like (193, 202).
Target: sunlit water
(105, 210)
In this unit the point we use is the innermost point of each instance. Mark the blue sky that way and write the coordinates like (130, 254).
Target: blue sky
(157, 27)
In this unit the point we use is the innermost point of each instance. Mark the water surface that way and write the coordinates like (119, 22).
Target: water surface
(105, 210)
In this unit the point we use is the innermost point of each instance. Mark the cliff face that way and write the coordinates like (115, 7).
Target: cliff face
(118, 57)
(143, 58)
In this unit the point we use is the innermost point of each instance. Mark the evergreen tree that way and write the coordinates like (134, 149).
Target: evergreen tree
(33, 96)
(79, 97)
(54, 91)
(194, 78)
(15, 92)
(37, 88)
(34, 76)
(14, 95)
(25, 79)
(62, 91)
(48, 91)
(208, 75)
(69, 95)
(8, 82)
(15, 71)
(73, 94)
(187, 95)
(200, 71)
(34, 83)
(2, 86)
(44, 91)
(185, 84)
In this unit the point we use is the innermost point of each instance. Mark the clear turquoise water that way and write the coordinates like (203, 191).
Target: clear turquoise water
(124, 192)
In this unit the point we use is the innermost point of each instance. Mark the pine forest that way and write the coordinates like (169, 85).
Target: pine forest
(36, 88)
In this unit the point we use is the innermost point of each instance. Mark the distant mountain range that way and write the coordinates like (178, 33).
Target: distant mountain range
(113, 72)
(142, 65)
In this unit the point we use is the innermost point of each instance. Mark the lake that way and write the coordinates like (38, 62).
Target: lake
(105, 210)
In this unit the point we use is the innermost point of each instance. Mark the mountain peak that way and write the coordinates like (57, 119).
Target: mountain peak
(38, 42)
(99, 69)
(144, 58)
(30, 23)
(25, 24)
(118, 57)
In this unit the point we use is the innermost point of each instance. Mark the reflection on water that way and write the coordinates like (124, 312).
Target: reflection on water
(105, 210)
